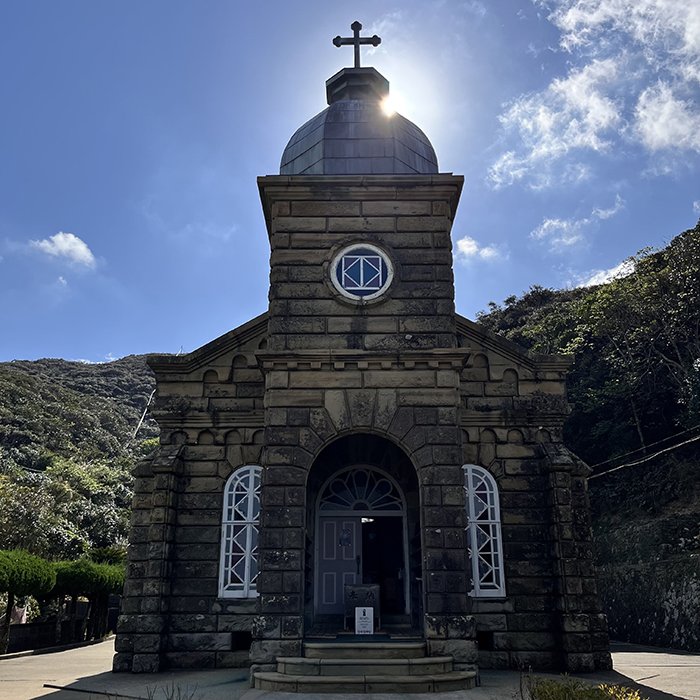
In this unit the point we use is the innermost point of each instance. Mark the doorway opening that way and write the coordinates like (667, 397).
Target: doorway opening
(364, 494)
(383, 561)
(361, 526)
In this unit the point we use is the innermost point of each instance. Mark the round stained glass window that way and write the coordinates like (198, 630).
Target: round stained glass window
(361, 272)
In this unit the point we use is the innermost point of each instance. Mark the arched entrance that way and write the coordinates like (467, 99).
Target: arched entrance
(362, 538)
(363, 492)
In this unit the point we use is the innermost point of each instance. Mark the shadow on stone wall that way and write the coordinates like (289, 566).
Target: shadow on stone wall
(646, 524)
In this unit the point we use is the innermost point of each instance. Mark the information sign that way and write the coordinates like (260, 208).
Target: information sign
(364, 620)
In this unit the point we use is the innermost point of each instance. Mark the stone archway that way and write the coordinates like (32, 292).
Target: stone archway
(363, 517)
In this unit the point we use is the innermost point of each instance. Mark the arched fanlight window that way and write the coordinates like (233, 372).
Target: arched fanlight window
(361, 489)
(239, 534)
(484, 533)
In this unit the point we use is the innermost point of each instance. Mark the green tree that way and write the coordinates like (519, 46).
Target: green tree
(67, 509)
(92, 580)
(636, 341)
(22, 574)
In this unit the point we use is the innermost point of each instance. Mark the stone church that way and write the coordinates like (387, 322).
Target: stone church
(360, 442)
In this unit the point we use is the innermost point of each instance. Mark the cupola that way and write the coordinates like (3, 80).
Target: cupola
(354, 135)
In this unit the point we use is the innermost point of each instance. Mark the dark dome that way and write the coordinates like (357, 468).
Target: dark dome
(354, 136)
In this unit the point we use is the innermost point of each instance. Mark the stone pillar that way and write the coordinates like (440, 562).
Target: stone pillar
(142, 628)
(582, 627)
(278, 628)
(449, 628)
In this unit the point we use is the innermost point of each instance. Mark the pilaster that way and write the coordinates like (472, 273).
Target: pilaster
(143, 627)
(582, 627)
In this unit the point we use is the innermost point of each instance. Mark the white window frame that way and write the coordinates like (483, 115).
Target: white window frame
(248, 524)
(338, 280)
(484, 522)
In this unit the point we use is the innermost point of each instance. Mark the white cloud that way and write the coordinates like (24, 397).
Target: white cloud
(508, 169)
(632, 79)
(671, 24)
(62, 281)
(590, 279)
(106, 360)
(68, 246)
(611, 211)
(696, 206)
(474, 7)
(665, 122)
(573, 113)
(469, 249)
(561, 234)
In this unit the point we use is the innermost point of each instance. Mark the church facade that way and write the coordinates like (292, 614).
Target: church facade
(360, 435)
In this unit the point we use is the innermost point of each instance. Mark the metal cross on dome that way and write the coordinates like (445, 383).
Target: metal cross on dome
(355, 40)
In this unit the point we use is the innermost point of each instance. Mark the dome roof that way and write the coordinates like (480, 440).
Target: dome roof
(354, 136)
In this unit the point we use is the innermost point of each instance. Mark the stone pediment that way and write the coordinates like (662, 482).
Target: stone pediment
(253, 334)
(245, 338)
(477, 339)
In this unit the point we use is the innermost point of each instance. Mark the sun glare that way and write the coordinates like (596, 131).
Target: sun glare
(393, 103)
(388, 106)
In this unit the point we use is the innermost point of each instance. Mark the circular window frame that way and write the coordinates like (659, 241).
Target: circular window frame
(368, 298)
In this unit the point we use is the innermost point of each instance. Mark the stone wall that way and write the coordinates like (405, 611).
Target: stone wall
(404, 369)
(646, 522)
(310, 219)
(210, 408)
(334, 367)
(513, 409)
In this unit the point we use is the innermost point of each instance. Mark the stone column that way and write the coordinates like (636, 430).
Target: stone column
(449, 628)
(278, 628)
(582, 626)
(142, 628)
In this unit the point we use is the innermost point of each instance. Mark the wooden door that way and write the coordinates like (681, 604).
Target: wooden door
(339, 561)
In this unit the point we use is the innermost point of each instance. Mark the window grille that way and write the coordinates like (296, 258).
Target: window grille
(239, 534)
(362, 489)
(484, 533)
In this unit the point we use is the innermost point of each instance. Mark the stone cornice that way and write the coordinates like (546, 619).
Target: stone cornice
(442, 358)
(510, 419)
(512, 351)
(446, 187)
(256, 327)
(200, 420)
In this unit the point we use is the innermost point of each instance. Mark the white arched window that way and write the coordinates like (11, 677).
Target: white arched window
(484, 533)
(239, 534)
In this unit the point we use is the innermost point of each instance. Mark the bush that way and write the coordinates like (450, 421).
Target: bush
(116, 554)
(573, 689)
(85, 577)
(22, 574)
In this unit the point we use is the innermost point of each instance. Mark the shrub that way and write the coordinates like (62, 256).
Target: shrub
(22, 574)
(85, 577)
(574, 689)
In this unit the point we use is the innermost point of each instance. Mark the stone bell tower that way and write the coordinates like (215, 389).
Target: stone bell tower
(362, 347)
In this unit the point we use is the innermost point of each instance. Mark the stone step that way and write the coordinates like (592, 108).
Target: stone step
(358, 650)
(300, 666)
(438, 683)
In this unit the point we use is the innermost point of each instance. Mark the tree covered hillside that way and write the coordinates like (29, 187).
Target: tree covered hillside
(636, 341)
(66, 447)
(66, 451)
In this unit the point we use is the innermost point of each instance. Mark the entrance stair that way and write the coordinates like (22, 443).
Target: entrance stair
(383, 666)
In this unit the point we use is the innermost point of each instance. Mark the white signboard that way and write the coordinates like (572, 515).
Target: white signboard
(364, 620)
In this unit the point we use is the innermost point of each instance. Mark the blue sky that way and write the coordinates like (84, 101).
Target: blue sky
(131, 134)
